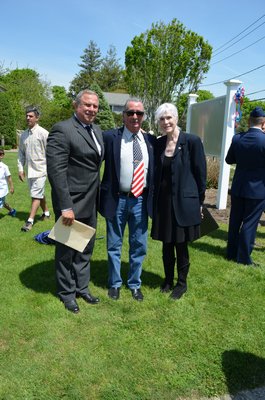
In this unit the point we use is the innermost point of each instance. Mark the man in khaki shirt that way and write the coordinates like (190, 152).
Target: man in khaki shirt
(32, 154)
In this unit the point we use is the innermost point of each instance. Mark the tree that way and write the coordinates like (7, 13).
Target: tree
(246, 109)
(106, 72)
(111, 74)
(24, 87)
(104, 117)
(91, 63)
(164, 62)
(91, 59)
(80, 82)
(59, 108)
(7, 121)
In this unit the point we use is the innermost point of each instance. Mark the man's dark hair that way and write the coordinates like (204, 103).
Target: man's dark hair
(33, 109)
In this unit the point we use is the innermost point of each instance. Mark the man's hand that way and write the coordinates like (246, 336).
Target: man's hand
(22, 176)
(68, 217)
(11, 189)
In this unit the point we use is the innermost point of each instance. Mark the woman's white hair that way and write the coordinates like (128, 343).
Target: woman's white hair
(166, 108)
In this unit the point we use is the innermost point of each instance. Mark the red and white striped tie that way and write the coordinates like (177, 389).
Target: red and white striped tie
(138, 168)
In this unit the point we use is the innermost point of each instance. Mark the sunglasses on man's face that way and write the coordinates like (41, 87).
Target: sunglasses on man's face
(130, 113)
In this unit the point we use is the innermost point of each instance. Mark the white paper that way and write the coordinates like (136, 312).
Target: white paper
(76, 236)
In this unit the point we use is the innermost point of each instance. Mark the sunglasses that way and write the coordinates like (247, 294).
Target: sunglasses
(130, 113)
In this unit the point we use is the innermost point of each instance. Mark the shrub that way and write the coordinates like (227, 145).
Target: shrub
(7, 121)
(213, 168)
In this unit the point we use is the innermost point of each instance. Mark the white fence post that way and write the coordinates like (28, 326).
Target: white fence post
(191, 100)
(228, 132)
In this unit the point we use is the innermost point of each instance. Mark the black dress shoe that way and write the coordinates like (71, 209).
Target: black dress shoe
(114, 293)
(137, 294)
(89, 298)
(72, 306)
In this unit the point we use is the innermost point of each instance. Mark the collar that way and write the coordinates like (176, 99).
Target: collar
(129, 135)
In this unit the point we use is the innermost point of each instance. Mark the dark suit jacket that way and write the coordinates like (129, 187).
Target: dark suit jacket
(247, 151)
(109, 190)
(188, 177)
(73, 164)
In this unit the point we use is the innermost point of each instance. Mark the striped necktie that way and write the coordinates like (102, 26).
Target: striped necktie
(138, 168)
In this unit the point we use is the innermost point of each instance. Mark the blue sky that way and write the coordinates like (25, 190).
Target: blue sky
(50, 36)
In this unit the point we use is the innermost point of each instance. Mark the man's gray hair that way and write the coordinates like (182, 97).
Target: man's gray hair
(134, 99)
(80, 95)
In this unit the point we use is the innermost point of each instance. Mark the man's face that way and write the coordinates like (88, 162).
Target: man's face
(31, 119)
(133, 116)
(87, 109)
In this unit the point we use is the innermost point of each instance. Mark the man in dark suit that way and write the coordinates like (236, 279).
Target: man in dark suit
(247, 151)
(120, 203)
(74, 155)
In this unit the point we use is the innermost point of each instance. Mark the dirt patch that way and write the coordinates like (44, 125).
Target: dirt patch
(221, 216)
(210, 202)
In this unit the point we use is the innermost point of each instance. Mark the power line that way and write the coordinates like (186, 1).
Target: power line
(231, 45)
(231, 55)
(258, 91)
(244, 30)
(234, 77)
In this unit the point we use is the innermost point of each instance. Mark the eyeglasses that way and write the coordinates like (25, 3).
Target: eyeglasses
(130, 113)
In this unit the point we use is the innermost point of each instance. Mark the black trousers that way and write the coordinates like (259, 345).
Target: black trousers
(73, 267)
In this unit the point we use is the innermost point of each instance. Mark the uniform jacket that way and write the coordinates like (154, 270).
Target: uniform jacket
(109, 192)
(188, 177)
(247, 151)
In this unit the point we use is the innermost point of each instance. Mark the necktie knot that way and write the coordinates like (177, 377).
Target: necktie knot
(89, 128)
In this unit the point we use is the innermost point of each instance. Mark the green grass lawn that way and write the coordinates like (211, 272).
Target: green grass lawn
(209, 343)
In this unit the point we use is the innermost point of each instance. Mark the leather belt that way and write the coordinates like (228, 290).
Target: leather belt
(130, 194)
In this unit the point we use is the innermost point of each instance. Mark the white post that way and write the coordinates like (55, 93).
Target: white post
(228, 132)
(191, 100)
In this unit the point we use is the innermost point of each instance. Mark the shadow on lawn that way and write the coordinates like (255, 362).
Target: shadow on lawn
(243, 371)
(210, 248)
(41, 277)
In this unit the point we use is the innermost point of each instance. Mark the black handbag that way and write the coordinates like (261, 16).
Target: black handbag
(208, 223)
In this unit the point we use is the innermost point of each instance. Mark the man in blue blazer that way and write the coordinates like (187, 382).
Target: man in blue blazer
(247, 151)
(117, 202)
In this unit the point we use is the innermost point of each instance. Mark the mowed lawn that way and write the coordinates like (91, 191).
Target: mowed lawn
(209, 343)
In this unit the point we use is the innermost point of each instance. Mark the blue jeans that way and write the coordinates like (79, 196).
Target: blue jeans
(133, 211)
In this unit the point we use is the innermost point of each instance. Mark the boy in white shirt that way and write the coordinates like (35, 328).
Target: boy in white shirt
(5, 181)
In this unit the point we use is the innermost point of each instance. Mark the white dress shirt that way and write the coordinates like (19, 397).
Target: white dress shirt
(126, 171)
(32, 151)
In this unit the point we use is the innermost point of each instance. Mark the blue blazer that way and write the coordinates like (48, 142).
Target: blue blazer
(247, 151)
(109, 189)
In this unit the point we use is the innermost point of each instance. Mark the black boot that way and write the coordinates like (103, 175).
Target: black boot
(181, 286)
(169, 266)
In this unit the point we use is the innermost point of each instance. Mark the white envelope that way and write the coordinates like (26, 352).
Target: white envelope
(76, 236)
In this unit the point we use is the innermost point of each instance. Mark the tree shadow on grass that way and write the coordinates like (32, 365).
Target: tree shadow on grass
(41, 277)
(243, 371)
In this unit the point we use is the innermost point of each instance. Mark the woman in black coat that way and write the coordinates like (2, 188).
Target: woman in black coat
(180, 184)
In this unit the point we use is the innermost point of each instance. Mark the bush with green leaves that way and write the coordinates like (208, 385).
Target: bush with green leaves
(7, 121)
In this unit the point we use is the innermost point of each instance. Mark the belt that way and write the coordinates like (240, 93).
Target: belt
(130, 194)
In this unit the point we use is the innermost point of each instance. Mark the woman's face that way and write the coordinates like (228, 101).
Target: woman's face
(167, 123)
